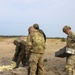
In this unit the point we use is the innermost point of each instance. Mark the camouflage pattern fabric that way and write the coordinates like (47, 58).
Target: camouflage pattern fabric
(36, 42)
(70, 65)
(36, 61)
(36, 48)
(19, 55)
(71, 40)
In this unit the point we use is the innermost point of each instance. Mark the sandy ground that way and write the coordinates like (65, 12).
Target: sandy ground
(53, 65)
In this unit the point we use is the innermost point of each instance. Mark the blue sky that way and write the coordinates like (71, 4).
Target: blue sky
(16, 16)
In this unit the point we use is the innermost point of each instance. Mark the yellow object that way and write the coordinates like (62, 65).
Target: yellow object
(7, 67)
(68, 68)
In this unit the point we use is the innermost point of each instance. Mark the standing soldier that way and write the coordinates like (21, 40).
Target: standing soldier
(70, 65)
(19, 55)
(36, 46)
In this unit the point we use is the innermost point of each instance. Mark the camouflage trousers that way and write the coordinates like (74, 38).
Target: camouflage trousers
(21, 58)
(70, 65)
(24, 60)
(36, 64)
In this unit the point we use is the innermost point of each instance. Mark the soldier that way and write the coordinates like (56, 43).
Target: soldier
(36, 26)
(70, 65)
(36, 46)
(19, 55)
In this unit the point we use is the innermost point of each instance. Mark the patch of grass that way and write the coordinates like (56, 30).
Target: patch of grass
(63, 39)
(2, 39)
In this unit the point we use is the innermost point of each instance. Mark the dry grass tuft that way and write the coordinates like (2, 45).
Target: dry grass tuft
(2, 39)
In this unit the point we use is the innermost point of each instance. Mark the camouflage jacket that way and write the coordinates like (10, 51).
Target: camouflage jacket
(19, 50)
(71, 40)
(36, 42)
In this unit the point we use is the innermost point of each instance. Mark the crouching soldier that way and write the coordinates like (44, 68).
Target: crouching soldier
(20, 55)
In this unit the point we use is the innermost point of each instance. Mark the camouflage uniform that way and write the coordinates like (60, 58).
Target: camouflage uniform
(70, 65)
(20, 54)
(71, 59)
(36, 45)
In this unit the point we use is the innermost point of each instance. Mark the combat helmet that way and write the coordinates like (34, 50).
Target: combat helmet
(36, 26)
(66, 27)
(16, 41)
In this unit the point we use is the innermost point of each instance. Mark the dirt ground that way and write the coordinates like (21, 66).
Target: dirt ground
(53, 65)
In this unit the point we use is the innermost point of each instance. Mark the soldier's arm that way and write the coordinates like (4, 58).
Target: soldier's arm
(16, 51)
(22, 50)
(15, 55)
(28, 44)
(73, 36)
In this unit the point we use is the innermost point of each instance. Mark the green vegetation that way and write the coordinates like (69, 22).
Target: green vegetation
(63, 39)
